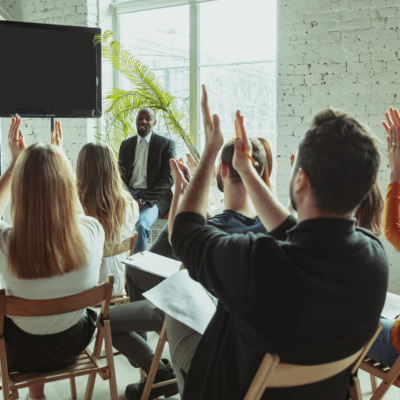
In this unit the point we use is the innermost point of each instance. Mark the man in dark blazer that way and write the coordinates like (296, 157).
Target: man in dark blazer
(144, 164)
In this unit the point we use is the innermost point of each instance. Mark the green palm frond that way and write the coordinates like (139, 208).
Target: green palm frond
(121, 105)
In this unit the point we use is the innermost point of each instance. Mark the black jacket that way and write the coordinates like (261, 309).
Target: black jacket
(311, 293)
(159, 178)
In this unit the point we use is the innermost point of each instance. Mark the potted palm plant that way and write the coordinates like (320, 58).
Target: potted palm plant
(121, 106)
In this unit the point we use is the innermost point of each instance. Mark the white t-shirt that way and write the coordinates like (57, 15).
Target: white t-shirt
(68, 284)
(112, 265)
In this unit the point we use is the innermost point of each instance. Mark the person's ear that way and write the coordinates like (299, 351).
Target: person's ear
(224, 170)
(301, 181)
(155, 121)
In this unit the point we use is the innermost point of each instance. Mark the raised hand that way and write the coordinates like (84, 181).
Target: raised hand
(392, 118)
(292, 157)
(240, 161)
(393, 143)
(57, 135)
(214, 138)
(16, 141)
(192, 165)
(178, 176)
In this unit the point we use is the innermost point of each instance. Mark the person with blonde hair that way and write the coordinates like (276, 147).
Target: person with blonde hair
(104, 196)
(51, 250)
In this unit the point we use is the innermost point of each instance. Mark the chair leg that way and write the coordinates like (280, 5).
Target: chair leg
(4, 370)
(355, 390)
(15, 394)
(110, 360)
(90, 386)
(73, 387)
(374, 382)
(390, 377)
(154, 365)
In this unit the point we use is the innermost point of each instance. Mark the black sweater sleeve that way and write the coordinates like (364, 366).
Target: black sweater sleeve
(221, 261)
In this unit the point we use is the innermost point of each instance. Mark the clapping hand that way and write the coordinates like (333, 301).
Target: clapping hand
(241, 162)
(393, 142)
(16, 140)
(178, 176)
(214, 138)
(57, 135)
(392, 118)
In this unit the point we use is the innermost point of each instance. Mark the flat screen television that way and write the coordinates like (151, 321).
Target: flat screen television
(49, 71)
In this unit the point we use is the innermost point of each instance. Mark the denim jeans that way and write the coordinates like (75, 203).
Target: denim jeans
(148, 215)
(382, 350)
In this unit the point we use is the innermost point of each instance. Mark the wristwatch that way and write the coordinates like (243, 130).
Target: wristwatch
(141, 201)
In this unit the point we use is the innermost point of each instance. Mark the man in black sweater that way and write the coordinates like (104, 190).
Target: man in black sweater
(311, 292)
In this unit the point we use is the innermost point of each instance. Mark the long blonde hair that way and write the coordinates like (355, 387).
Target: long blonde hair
(101, 191)
(45, 240)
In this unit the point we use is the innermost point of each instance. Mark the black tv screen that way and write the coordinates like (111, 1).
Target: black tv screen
(49, 71)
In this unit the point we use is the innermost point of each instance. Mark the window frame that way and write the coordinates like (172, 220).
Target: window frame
(132, 6)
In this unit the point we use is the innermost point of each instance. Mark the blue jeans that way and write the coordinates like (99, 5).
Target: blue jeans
(148, 215)
(382, 350)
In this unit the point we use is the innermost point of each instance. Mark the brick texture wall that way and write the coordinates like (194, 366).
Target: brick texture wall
(62, 12)
(342, 53)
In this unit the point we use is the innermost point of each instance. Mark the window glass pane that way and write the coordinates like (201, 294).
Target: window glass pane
(238, 64)
(160, 39)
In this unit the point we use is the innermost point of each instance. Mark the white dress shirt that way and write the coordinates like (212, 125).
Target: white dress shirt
(139, 174)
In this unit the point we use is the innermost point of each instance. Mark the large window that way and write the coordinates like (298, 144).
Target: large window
(237, 60)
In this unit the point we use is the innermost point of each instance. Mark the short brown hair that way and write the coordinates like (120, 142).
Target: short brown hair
(341, 158)
(258, 153)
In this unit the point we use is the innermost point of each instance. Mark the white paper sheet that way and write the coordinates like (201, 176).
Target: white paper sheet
(153, 263)
(392, 306)
(183, 299)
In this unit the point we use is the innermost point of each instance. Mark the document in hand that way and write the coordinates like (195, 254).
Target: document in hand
(392, 306)
(153, 263)
(183, 299)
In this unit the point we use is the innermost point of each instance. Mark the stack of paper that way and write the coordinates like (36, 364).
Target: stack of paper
(153, 263)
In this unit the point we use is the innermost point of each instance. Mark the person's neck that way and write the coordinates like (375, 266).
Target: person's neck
(237, 199)
(309, 211)
(143, 136)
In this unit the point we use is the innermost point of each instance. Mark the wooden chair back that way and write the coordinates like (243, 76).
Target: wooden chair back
(88, 362)
(273, 374)
(128, 245)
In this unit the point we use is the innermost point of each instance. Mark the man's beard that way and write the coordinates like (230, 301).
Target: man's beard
(291, 193)
(220, 183)
(142, 134)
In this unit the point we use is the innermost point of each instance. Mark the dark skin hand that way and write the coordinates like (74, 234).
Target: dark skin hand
(145, 121)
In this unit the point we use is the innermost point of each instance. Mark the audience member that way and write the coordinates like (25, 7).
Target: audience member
(104, 196)
(386, 347)
(311, 293)
(144, 161)
(52, 250)
(129, 322)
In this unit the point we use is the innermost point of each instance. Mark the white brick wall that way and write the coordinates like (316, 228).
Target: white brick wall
(61, 12)
(336, 53)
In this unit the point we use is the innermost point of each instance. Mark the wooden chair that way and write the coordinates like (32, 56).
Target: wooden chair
(389, 375)
(127, 246)
(88, 362)
(154, 366)
(273, 374)
(155, 363)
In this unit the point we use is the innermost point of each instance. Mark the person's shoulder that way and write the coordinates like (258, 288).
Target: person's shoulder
(127, 141)
(91, 226)
(219, 220)
(368, 234)
(162, 139)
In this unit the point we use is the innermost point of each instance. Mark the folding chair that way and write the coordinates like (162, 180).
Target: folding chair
(127, 246)
(389, 375)
(88, 362)
(155, 363)
(154, 366)
(273, 374)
